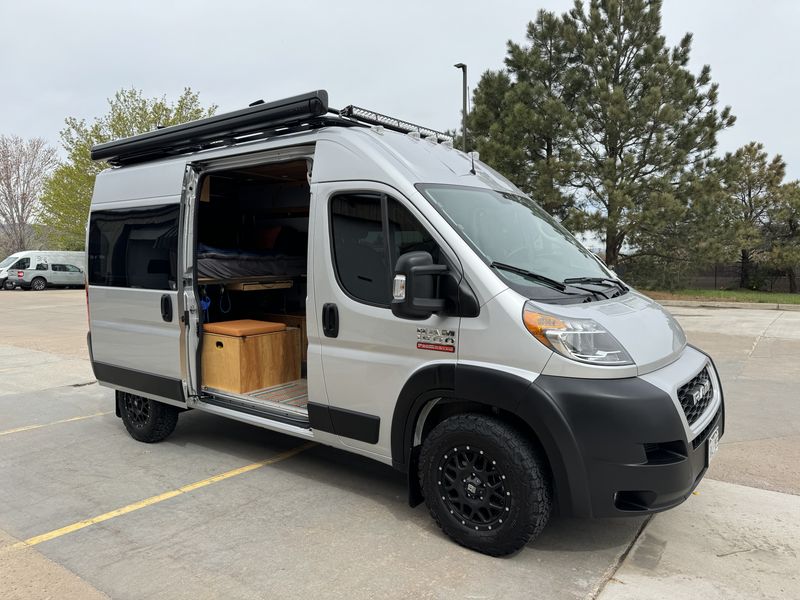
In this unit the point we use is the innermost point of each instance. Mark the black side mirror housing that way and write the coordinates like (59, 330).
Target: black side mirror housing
(415, 289)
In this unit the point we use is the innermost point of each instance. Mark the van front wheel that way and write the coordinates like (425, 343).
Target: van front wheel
(145, 419)
(485, 484)
(38, 284)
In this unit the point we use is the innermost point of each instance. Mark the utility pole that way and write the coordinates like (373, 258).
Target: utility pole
(463, 68)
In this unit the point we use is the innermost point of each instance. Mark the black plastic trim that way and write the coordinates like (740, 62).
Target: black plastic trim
(346, 423)
(592, 431)
(147, 383)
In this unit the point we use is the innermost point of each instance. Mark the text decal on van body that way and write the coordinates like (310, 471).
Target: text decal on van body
(438, 340)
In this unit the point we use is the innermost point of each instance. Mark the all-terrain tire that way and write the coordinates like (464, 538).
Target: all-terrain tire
(145, 419)
(485, 484)
(38, 284)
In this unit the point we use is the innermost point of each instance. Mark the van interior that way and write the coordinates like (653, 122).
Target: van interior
(251, 274)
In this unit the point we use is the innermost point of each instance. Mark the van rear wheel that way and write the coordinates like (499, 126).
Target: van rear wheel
(485, 484)
(145, 419)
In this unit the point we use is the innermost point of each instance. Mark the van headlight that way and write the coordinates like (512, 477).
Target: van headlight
(583, 340)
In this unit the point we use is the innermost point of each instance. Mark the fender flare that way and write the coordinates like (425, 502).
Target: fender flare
(505, 391)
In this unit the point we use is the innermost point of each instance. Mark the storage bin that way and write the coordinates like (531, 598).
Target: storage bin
(246, 363)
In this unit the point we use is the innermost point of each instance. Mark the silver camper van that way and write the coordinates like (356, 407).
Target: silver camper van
(40, 269)
(349, 278)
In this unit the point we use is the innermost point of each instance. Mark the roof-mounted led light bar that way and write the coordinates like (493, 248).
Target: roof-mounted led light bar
(363, 115)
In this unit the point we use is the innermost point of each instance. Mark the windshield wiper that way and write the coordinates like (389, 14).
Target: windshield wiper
(530, 275)
(597, 280)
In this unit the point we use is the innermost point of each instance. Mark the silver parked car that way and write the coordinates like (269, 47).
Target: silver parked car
(40, 269)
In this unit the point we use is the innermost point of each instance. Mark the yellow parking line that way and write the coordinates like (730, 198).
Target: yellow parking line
(29, 427)
(159, 498)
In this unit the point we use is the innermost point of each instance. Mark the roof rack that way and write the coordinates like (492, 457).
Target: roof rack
(260, 120)
(363, 115)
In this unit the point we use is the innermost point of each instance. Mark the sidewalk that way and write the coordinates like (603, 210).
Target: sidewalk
(727, 541)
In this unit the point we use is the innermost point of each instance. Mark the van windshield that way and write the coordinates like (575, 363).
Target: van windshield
(514, 231)
(8, 261)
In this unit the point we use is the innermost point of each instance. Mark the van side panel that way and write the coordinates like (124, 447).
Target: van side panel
(132, 249)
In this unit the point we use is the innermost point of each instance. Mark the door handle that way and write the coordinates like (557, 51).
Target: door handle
(330, 320)
(166, 308)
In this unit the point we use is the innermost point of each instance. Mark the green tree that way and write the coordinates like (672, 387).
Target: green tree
(599, 111)
(751, 185)
(645, 121)
(784, 232)
(68, 191)
(523, 120)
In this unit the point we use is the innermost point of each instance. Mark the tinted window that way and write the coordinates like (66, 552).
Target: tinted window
(359, 247)
(22, 263)
(41, 264)
(364, 260)
(134, 248)
(406, 234)
(64, 268)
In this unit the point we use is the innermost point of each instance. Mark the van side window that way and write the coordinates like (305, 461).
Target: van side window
(41, 266)
(364, 252)
(134, 248)
(359, 247)
(22, 264)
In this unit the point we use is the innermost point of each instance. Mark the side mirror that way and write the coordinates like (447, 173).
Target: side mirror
(415, 286)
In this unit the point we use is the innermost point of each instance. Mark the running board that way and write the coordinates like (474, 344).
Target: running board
(261, 412)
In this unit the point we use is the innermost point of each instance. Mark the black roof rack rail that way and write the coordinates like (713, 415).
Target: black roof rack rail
(258, 121)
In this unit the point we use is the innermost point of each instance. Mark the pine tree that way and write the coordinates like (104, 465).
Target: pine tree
(523, 119)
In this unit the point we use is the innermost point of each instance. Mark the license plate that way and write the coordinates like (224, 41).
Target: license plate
(713, 444)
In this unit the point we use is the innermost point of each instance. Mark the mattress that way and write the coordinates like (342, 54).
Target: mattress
(223, 263)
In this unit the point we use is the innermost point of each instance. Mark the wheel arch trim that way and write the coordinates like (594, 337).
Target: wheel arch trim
(496, 389)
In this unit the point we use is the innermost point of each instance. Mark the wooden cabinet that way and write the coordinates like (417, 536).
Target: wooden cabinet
(243, 364)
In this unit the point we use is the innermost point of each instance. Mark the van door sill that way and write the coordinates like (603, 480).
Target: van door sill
(289, 415)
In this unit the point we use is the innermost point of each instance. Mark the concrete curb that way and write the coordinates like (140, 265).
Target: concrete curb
(715, 304)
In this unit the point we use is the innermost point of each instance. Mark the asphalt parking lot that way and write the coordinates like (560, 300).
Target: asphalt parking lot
(222, 509)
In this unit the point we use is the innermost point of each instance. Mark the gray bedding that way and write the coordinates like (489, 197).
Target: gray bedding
(217, 263)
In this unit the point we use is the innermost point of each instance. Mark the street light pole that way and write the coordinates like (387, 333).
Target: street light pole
(463, 68)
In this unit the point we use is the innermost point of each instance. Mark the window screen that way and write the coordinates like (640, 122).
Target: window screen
(134, 248)
(364, 261)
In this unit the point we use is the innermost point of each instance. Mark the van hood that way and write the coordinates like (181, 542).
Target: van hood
(651, 336)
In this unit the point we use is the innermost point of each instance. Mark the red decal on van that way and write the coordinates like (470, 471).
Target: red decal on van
(436, 347)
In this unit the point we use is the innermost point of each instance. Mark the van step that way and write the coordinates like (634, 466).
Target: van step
(289, 415)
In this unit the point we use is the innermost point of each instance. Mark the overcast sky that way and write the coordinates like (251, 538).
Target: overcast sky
(61, 59)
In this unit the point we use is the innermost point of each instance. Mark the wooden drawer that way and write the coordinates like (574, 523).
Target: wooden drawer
(249, 363)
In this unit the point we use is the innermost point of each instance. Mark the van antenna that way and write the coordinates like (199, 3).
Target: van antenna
(472, 156)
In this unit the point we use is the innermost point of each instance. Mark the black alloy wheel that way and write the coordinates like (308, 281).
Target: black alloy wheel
(473, 487)
(485, 482)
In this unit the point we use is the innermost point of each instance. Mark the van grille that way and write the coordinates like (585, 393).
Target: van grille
(696, 395)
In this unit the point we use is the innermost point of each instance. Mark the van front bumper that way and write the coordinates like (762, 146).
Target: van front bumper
(625, 446)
